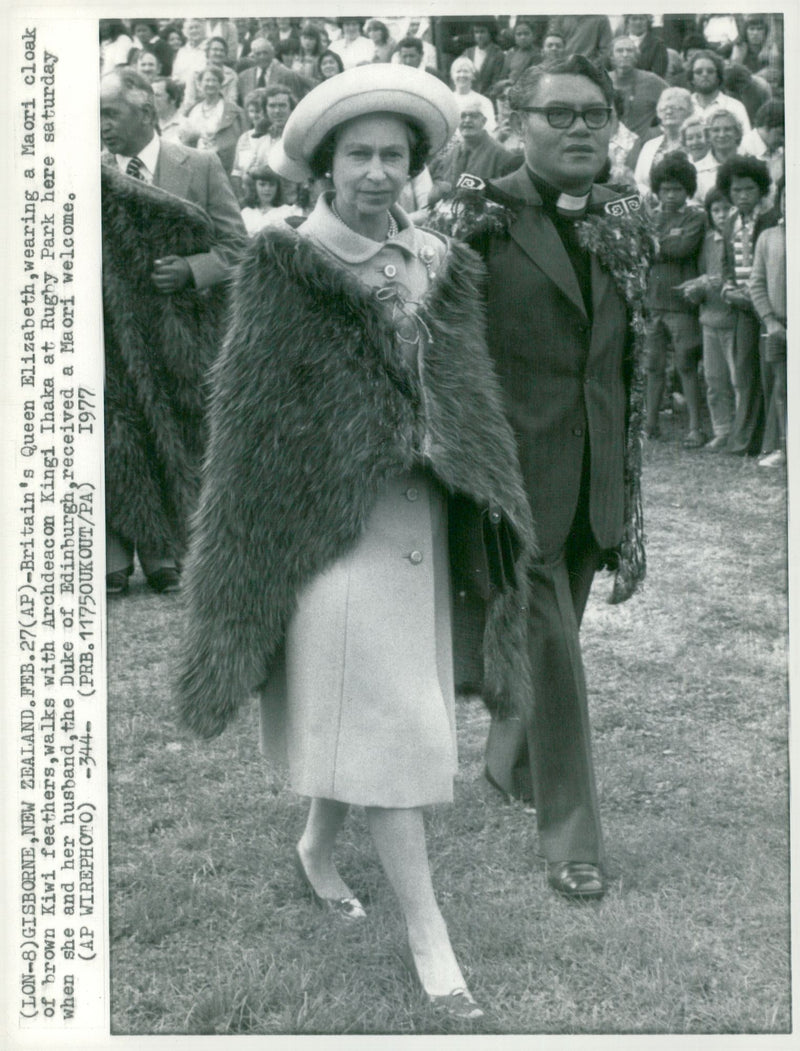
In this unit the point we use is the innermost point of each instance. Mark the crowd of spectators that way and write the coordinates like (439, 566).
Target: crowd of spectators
(698, 132)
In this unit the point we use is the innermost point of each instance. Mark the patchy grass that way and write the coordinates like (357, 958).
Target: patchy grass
(211, 933)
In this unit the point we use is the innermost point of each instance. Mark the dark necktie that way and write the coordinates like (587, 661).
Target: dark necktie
(135, 169)
(261, 81)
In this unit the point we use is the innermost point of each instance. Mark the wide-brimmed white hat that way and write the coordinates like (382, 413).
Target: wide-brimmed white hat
(378, 88)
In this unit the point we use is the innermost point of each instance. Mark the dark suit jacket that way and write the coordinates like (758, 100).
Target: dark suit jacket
(491, 69)
(562, 371)
(199, 177)
(276, 74)
(488, 160)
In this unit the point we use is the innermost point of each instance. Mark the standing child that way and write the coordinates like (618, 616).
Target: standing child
(768, 295)
(671, 319)
(717, 322)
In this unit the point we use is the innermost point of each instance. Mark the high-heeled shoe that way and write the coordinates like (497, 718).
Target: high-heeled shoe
(349, 909)
(458, 1003)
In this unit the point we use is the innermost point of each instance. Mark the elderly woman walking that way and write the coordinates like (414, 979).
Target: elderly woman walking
(358, 453)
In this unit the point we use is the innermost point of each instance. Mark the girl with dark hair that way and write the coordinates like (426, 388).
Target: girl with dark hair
(262, 195)
(378, 32)
(306, 63)
(328, 65)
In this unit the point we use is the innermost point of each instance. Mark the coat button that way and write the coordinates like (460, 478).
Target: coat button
(577, 431)
(415, 557)
(390, 270)
(412, 494)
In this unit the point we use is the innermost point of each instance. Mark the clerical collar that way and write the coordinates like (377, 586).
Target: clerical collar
(563, 204)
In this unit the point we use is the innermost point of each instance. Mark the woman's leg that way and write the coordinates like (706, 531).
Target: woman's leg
(325, 819)
(399, 837)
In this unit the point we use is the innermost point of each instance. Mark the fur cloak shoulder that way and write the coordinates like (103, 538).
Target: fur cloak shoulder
(311, 410)
(157, 351)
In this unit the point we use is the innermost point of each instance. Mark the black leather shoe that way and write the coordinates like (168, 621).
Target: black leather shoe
(577, 880)
(346, 908)
(165, 580)
(116, 582)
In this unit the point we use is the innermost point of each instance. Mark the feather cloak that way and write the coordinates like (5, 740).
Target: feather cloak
(311, 410)
(157, 352)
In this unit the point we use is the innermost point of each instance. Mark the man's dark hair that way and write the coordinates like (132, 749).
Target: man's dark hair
(710, 56)
(770, 114)
(412, 42)
(173, 88)
(675, 167)
(743, 167)
(279, 89)
(218, 40)
(573, 65)
(712, 197)
(419, 147)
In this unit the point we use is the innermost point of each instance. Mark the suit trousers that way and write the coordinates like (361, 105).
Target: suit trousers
(748, 424)
(550, 758)
(120, 552)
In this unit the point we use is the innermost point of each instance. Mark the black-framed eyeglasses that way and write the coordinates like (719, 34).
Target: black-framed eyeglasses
(563, 117)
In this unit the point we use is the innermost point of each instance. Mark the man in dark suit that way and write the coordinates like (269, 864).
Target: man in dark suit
(128, 128)
(478, 153)
(268, 72)
(560, 334)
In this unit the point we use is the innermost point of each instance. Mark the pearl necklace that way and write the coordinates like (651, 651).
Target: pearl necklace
(393, 230)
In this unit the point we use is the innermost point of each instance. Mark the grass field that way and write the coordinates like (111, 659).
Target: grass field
(210, 932)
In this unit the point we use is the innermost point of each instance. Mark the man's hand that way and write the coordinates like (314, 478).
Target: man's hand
(775, 328)
(171, 274)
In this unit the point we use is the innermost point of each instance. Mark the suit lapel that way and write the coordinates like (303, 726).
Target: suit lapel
(538, 239)
(172, 172)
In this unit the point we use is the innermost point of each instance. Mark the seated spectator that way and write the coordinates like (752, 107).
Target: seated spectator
(146, 64)
(487, 58)
(269, 72)
(168, 95)
(328, 65)
(674, 106)
(766, 140)
(748, 88)
(146, 38)
(640, 90)
(217, 53)
(507, 132)
(191, 58)
(307, 61)
(477, 153)
(378, 33)
(705, 74)
(651, 52)
(253, 146)
(353, 47)
(694, 138)
(750, 48)
(768, 296)
(716, 321)
(264, 205)
(671, 321)
(553, 46)
(523, 54)
(410, 52)
(462, 74)
(213, 123)
(745, 182)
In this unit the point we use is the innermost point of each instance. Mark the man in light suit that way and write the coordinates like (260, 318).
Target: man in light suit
(268, 72)
(560, 335)
(128, 125)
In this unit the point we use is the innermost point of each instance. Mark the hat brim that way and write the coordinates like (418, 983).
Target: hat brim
(381, 88)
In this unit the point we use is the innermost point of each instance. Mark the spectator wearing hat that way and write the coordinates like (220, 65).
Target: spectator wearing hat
(487, 58)
(745, 182)
(706, 72)
(672, 323)
(352, 47)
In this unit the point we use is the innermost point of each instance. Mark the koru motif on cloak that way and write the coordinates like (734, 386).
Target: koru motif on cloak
(158, 349)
